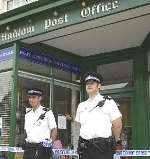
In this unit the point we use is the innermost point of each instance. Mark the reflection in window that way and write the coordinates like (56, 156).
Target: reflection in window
(117, 75)
(61, 74)
(76, 78)
(5, 106)
(32, 67)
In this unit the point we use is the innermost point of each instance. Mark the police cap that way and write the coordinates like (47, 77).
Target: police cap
(92, 76)
(35, 92)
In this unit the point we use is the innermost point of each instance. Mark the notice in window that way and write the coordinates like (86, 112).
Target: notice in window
(62, 121)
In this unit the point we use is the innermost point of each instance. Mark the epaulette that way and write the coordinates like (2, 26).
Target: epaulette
(42, 116)
(107, 97)
(46, 109)
(28, 111)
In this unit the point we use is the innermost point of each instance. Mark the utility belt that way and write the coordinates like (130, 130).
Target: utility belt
(32, 145)
(37, 148)
(101, 144)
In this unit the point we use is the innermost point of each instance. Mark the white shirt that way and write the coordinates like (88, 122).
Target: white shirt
(38, 130)
(96, 122)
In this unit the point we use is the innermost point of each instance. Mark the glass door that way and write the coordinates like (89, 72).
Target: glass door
(61, 107)
(66, 97)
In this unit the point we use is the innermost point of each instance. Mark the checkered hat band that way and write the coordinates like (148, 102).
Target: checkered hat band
(34, 92)
(91, 78)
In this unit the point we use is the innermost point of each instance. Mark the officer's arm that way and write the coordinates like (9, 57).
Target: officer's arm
(117, 127)
(69, 117)
(54, 134)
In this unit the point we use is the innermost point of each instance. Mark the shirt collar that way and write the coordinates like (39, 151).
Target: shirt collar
(38, 109)
(98, 97)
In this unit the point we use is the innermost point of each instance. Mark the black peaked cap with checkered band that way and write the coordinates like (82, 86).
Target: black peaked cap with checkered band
(34, 91)
(92, 76)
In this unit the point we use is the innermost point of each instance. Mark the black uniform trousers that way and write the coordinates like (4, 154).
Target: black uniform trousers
(36, 151)
(98, 148)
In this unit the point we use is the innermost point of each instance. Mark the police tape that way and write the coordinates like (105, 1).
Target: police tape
(70, 152)
(139, 153)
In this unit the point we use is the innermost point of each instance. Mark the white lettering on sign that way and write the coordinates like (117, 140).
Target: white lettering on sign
(101, 7)
(16, 33)
(57, 21)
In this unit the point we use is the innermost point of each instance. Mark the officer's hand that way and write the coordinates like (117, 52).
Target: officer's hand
(68, 116)
(47, 143)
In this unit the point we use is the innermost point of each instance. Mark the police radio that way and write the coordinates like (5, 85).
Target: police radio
(42, 116)
(102, 102)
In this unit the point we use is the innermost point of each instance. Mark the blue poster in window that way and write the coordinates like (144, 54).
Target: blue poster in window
(43, 59)
(6, 54)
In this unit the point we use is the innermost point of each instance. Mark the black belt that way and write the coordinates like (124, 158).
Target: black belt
(94, 139)
(100, 143)
(33, 145)
(98, 139)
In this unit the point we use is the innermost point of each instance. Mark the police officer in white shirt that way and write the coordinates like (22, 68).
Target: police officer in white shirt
(40, 128)
(100, 119)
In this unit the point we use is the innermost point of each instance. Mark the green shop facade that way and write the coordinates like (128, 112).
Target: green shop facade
(50, 45)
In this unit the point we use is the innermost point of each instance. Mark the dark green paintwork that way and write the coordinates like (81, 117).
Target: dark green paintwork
(14, 101)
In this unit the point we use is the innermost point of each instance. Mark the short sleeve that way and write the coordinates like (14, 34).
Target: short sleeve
(114, 111)
(25, 123)
(51, 120)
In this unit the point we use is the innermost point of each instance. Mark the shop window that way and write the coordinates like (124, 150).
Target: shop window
(23, 105)
(76, 78)
(66, 75)
(5, 106)
(61, 74)
(28, 66)
(117, 75)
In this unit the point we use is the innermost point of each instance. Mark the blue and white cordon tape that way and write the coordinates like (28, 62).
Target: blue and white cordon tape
(70, 152)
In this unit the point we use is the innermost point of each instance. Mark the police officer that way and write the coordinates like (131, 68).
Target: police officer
(40, 128)
(99, 118)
